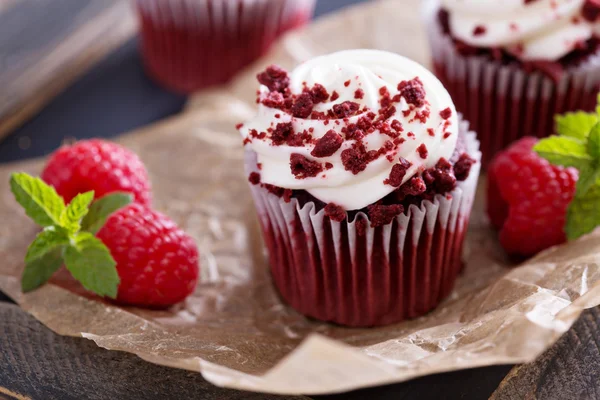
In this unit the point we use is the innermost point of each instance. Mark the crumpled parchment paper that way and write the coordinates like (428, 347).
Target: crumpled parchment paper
(235, 329)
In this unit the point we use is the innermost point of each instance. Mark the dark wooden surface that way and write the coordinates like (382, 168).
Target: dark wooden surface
(46, 44)
(115, 97)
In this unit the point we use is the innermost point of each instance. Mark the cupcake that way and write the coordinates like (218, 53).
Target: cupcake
(190, 44)
(510, 66)
(363, 175)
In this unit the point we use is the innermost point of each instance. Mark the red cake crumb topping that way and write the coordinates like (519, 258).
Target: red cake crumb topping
(282, 132)
(347, 83)
(254, 178)
(334, 96)
(302, 167)
(446, 113)
(398, 172)
(327, 145)
(303, 106)
(355, 159)
(335, 212)
(239, 126)
(431, 132)
(479, 30)
(319, 94)
(275, 78)
(413, 92)
(359, 94)
(415, 186)
(346, 109)
(422, 150)
(382, 215)
(274, 100)
(462, 167)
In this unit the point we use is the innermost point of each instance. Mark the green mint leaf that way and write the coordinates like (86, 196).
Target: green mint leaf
(564, 151)
(78, 208)
(577, 124)
(598, 105)
(102, 208)
(39, 270)
(45, 242)
(583, 215)
(588, 177)
(40, 201)
(593, 144)
(91, 263)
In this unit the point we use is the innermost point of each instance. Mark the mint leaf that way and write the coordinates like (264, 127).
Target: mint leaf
(598, 105)
(102, 208)
(78, 208)
(588, 177)
(40, 201)
(593, 144)
(583, 215)
(91, 263)
(564, 151)
(39, 270)
(45, 242)
(576, 124)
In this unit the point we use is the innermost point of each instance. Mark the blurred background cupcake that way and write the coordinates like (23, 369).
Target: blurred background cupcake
(510, 66)
(191, 44)
(363, 176)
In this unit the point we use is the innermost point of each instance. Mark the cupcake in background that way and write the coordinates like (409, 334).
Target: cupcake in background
(363, 176)
(510, 66)
(191, 44)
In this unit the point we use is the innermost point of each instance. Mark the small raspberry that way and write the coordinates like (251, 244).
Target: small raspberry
(527, 199)
(156, 261)
(97, 165)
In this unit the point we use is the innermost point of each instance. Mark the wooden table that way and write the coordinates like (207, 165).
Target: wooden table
(115, 96)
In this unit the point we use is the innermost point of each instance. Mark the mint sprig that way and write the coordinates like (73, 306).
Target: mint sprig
(68, 235)
(578, 145)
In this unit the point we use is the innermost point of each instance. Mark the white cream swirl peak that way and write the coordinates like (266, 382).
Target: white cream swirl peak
(529, 29)
(361, 123)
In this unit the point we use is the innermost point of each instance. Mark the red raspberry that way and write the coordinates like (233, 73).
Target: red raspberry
(527, 199)
(98, 165)
(156, 261)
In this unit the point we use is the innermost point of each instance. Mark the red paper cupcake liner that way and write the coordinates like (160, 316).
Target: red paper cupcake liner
(191, 44)
(504, 102)
(334, 272)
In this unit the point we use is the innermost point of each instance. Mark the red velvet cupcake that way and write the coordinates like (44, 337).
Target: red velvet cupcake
(511, 66)
(190, 44)
(363, 176)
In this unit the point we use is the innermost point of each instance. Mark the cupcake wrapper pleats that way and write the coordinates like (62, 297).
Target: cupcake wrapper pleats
(191, 44)
(332, 271)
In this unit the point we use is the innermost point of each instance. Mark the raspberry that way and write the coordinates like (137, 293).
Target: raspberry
(156, 261)
(97, 165)
(527, 199)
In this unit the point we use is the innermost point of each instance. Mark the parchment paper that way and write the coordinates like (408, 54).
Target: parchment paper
(235, 330)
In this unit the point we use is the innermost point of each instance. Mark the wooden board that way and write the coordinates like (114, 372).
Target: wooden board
(46, 44)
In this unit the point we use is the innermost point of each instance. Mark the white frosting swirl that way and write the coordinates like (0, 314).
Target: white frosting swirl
(345, 72)
(537, 30)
